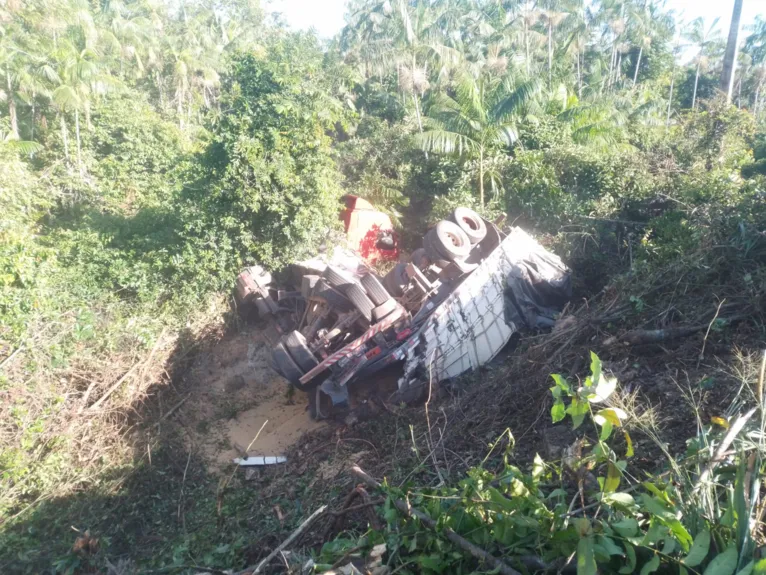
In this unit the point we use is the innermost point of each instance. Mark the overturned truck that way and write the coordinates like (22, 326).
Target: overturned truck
(449, 310)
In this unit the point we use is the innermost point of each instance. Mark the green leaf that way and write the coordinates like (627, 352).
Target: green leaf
(611, 547)
(586, 561)
(558, 411)
(627, 527)
(681, 534)
(698, 550)
(747, 569)
(656, 507)
(613, 415)
(538, 467)
(561, 383)
(651, 566)
(760, 567)
(630, 553)
(723, 564)
(624, 499)
(595, 368)
(606, 431)
(613, 477)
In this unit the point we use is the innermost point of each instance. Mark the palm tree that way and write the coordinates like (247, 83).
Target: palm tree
(730, 57)
(482, 116)
(702, 38)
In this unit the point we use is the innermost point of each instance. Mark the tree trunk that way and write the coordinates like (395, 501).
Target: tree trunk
(638, 64)
(579, 76)
(739, 94)
(696, 81)
(730, 56)
(12, 106)
(77, 134)
(64, 136)
(481, 177)
(550, 54)
(32, 127)
(88, 124)
(417, 115)
(670, 99)
(180, 107)
(526, 46)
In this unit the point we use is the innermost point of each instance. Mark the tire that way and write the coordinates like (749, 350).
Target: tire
(420, 258)
(336, 300)
(361, 302)
(396, 280)
(450, 240)
(286, 365)
(375, 290)
(471, 223)
(335, 277)
(383, 310)
(299, 350)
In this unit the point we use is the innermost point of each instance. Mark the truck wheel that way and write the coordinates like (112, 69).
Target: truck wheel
(383, 310)
(356, 294)
(471, 223)
(335, 277)
(450, 240)
(375, 290)
(299, 350)
(286, 366)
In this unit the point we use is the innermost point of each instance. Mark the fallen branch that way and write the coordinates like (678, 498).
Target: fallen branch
(644, 336)
(293, 536)
(459, 541)
(112, 389)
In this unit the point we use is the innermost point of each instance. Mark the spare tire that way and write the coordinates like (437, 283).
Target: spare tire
(286, 365)
(299, 350)
(383, 310)
(471, 223)
(356, 294)
(375, 290)
(449, 239)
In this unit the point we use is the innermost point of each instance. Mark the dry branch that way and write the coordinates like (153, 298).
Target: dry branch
(293, 536)
(459, 541)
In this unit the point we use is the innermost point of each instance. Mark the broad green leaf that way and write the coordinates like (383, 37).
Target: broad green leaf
(747, 569)
(561, 383)
(595, 369)
(613, 477)
(624, 499)
(698, 550)
(611, 547)
(760, 567)
(577, 409)
(630, 553)
(656, 507)
(558, 411)
(723, 564)
(681, 534)
(586, 561)
(500, 500)
(627, 527)
(651, 566)
(606, 430)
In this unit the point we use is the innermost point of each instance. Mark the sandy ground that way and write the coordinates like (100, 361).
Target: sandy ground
(234, 392)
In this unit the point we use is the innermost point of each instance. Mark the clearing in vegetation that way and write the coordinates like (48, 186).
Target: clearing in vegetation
(151, 151)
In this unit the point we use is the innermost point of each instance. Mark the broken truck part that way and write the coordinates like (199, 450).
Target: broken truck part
(450, 310)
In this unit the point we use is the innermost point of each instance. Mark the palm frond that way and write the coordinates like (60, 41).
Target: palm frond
(445, 142)
(513, 103)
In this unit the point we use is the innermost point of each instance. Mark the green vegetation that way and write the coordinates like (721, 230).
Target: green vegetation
(149, 151)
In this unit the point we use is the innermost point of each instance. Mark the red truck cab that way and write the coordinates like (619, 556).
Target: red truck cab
(369, 231)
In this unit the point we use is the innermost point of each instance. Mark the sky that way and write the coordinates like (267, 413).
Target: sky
(326, 16)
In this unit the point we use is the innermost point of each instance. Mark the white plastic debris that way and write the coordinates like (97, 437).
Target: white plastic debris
(260, 460)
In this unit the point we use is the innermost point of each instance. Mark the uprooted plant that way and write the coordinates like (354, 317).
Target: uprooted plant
(589, 511)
